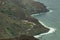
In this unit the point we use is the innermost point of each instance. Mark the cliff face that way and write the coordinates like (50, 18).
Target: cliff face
(15, 18)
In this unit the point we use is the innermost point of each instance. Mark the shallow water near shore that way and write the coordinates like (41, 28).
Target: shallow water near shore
(51, 29)
(50, 19)
(49, 32)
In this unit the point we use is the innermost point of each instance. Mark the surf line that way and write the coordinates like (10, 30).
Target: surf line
(49, 32)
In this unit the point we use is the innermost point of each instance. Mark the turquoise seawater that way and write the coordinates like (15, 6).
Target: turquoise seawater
(51, 19)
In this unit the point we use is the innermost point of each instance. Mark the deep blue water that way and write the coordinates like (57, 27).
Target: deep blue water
(51, 19)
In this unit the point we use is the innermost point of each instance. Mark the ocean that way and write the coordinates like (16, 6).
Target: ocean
(50, 19)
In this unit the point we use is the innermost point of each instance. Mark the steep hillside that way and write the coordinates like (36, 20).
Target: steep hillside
(15, 18)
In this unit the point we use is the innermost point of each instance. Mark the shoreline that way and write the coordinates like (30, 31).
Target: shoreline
(49, 32)
(52, 30)
(22, 13)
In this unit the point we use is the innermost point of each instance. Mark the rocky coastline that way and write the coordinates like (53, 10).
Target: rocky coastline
(16, 19)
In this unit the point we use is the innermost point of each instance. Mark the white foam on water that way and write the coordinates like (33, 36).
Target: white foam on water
(49, 32)
(50, 10)
(35, 14)
(43, 13)
(51, 29)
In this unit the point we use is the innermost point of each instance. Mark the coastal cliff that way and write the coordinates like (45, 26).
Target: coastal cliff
(16, 19)
(31, 6)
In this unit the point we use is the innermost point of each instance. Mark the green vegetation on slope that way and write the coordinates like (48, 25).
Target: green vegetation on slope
(15, 20)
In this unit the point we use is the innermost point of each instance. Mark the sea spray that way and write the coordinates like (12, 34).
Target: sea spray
(50, 31)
